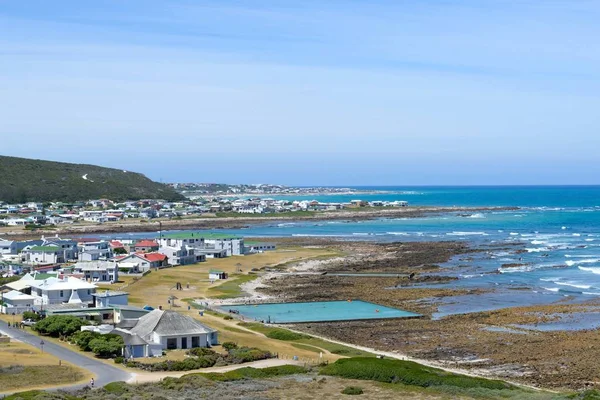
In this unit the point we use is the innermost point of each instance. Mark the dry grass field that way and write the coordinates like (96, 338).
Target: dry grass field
(25, 367)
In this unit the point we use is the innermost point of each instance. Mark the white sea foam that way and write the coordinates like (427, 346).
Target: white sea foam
(591, 293)
(571, 284)
(514, 234)
(593, 270)
(577, 234)
(537, 249)
(466, 234)
(538, 242)
(570, 263)
(398, 233)
(554, 289)
(478, 215)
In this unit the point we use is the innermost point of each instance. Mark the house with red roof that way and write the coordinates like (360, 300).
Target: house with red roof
(141, 262)
(145, 246)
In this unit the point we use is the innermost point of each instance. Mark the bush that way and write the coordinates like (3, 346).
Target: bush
(247, 354)
(204, 358)
(249, 372)
(228, 317)
(31, 315)
(229, 346)
(83, 339)
(106, 346)
(284, 334)
(59, 325)
(406, 372)
(119, 360)
(118, 388)
(352, 390)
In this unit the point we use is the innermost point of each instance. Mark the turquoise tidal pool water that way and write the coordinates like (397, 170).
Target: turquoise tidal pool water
(318, 311)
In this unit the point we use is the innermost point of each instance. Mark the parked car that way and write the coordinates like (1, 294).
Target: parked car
(28, 322)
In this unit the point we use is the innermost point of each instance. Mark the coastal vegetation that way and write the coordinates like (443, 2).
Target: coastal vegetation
(23, 180)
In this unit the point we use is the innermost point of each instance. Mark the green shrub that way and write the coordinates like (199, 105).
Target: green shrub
(352, 390)
(249, 372)
(228, 317)
(229, 346)
(31, 315)
(406, 372)
(59, 325)
(119, 360)
(83, 339)
(284, 334)
(200, 351)
(118, 388)
(106, 346)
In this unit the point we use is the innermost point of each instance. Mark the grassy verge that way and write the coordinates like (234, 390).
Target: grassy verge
(20, 377)
(231, 289)
(296, 338)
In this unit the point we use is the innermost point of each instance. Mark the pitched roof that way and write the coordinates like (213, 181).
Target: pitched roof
(16, 295)
(154, 257)
(116, 244)
(61, 284)
(166, 322)
(146, 243)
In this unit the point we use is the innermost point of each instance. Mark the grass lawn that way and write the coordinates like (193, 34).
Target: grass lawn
(155, 288)
(230, 288)
(25, 367)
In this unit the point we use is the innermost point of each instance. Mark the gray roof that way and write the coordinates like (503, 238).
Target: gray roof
(127, 323)
(166, 322)
(129, 339)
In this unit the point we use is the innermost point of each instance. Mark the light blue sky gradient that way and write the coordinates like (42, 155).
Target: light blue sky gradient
(307, 92)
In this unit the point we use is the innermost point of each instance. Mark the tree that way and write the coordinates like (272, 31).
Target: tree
(106, 346)
(120, 250)
(83, 339)
(59, 325)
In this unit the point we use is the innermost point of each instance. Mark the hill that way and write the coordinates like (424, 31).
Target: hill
(23, 179)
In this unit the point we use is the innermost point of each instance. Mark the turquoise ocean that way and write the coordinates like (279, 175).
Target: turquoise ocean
(555, 234)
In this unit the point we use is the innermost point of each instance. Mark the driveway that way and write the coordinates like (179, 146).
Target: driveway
(104, 373)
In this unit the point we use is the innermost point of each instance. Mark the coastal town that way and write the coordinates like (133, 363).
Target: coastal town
(35, 214)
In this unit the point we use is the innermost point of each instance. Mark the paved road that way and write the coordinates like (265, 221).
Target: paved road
(104, 373)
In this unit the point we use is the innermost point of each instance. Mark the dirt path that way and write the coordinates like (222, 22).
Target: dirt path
(143, 377)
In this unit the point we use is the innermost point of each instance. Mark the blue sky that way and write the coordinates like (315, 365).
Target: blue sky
(307, 92)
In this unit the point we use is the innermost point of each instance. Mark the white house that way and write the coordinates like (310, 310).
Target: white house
(183, 255)
(43, 255)
(173, 330)
(16, 302)
(57, 291)
(233, 245)
(98, 271)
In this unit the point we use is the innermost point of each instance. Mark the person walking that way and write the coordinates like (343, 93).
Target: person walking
(92, 383)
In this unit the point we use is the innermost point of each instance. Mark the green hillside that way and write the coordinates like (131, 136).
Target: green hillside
(23, 179)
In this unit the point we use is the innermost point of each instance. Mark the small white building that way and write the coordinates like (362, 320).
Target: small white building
(8, 247)
(16, 302)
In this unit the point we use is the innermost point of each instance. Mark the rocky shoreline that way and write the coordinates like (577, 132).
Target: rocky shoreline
(485, 343)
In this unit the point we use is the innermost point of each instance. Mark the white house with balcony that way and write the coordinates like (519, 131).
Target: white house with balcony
(58, 291)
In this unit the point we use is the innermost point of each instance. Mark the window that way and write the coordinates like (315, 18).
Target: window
(89, 292)
(61, 293)
(171, 343)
